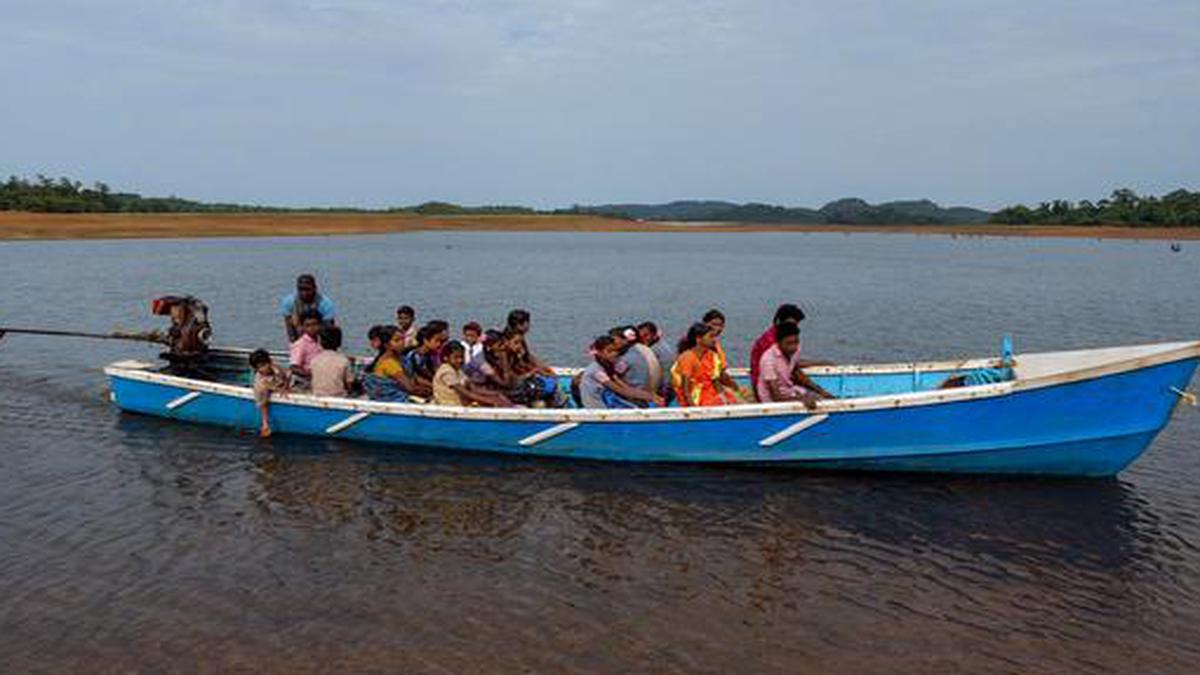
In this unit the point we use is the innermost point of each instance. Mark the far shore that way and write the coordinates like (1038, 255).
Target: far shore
(43, 226)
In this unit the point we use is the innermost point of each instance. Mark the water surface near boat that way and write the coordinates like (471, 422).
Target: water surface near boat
(135, 542)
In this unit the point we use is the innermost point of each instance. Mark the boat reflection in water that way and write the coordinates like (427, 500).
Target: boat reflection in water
(424, 543)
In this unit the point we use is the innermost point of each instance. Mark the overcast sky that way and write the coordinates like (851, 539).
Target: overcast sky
(554, 102)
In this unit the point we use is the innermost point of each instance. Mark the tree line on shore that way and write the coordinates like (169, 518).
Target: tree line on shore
(43, 194)
(1179, 208)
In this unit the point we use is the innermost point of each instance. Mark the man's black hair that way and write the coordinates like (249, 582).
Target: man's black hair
(785, 330)
(788, 312)
(602, 342)
(518, 317)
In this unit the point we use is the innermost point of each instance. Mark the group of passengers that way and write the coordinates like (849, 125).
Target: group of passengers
(632, 365)
(492, 368)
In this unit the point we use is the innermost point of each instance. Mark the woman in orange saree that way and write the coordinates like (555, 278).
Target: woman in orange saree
(698, 373)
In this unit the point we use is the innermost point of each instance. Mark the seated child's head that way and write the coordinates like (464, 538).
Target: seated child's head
(405, 316)
(455, 355)
(494, 342)
(471, 333)
(260, 361)
(442, 328)
(393, 339)
(375, 337)
(310, 322)
(330, 338)
(426, 338)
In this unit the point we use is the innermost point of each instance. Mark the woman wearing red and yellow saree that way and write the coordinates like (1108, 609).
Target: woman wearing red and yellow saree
(716, 321)
(697, 373)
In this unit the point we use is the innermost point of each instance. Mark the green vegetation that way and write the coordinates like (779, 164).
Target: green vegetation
(48, 195)
(1174, 209)
(63, 195)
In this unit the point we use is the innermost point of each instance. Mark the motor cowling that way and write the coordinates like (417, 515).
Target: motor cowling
(190, 332)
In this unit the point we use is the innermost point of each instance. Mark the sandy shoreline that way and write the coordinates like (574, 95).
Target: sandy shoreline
(41, 226)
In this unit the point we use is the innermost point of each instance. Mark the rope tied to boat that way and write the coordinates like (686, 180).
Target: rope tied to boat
(1187, 396)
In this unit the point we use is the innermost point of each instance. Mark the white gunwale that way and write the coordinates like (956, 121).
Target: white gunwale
(1033, 371)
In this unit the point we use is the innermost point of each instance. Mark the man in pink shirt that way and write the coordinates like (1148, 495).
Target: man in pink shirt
(780, 375)
(302, 351)
(787, 313)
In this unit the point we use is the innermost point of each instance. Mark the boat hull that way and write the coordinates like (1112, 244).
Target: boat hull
(1084, 427)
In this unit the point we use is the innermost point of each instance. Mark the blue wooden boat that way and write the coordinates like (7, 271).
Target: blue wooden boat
(1071, 413)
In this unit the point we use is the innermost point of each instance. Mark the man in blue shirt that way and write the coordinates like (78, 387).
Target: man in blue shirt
(306, 298)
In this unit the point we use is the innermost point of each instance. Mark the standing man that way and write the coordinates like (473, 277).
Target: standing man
(305, 299)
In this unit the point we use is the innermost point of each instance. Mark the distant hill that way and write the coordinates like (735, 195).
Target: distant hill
(922, 211)
(849, 211)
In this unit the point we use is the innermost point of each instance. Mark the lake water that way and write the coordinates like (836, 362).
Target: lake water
(129, 543)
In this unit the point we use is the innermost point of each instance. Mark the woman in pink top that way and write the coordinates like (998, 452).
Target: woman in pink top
(780, 375)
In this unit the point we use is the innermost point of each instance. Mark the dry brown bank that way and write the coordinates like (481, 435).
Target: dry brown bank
(16, 225)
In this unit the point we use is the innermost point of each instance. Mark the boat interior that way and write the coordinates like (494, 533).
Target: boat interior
(230, 366)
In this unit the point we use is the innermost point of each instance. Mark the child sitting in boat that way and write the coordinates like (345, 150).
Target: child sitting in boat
(305, 348)
(268, 379)
(375, 339)
(471, 334)
(601, 387)
(419, 363)
(442, 330)
(332, 374)
(524, 363)
(406, 321)
(489, 369)
(533, 383)
(386, 380)
(451, 386)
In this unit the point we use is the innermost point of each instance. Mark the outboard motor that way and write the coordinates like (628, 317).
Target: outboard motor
(188, 337)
